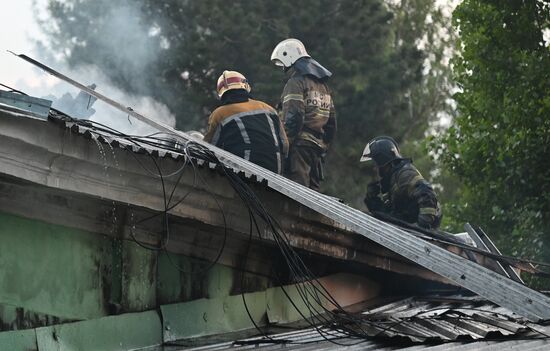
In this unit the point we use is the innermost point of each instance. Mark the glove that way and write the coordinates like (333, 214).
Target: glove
(374, 189)
(291, 125)
(372, 199)
(425, 221)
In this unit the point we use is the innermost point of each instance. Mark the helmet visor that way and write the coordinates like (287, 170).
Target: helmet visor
(366, 154)
(278, 62)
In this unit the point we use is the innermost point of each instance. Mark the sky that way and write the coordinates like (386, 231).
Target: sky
(19, 30)
(19, 27)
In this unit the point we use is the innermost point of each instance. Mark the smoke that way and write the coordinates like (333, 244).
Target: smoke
(63, 96)
(107, 114)
(117, 54)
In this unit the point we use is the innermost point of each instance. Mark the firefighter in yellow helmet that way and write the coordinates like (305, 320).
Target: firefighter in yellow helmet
(307, 110)
(246, 127)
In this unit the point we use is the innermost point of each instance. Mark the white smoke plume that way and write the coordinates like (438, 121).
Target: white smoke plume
(110, 116)
(124, 41)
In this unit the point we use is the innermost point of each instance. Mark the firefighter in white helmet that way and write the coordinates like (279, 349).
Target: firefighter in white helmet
(307, 110)
(246, 127)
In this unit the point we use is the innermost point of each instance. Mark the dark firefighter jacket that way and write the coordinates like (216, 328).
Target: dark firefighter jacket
(250, 129)
(307, 109)
(405, 195)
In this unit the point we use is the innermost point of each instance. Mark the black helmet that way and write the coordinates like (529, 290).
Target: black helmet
(382, 150)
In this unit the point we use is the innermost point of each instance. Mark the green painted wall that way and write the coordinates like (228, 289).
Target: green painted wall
(179, 278)
(182, 278)
(139, 277)
(49, 270)
(212, 316)
(19, 340)
(124, 332)
(52, 269)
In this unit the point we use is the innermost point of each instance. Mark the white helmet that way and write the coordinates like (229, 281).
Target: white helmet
(287, 52)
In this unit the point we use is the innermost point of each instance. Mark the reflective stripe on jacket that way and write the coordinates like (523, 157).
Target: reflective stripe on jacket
(251, 130)
(308, 110)
(406, 195)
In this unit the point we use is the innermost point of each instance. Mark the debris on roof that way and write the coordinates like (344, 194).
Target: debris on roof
(432, 323)
(32, 106)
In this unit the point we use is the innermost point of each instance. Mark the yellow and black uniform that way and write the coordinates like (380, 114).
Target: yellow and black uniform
(308, 113)
(250, 129)
(405, 195)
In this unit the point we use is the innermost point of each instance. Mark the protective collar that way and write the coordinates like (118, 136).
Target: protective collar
(397, 164)
(308, 66)
(235, 96)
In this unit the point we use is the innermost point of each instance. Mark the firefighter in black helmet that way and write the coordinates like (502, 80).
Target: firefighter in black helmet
(401, 191)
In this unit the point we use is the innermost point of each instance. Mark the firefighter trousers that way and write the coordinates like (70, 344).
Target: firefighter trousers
(304, 164)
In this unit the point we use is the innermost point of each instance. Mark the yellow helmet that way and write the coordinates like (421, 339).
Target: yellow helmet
(230, 80)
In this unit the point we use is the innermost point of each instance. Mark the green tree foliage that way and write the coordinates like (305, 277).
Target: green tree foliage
(499, 144)
(430, 101)
(371, 47)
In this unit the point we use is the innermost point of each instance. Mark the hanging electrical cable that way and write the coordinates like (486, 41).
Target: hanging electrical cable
(311, 292)
(317, 306)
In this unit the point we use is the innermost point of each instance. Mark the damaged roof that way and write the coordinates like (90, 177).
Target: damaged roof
(71, 159)
(411, 323)
(478, 279)
(427, 323)
(468, 274)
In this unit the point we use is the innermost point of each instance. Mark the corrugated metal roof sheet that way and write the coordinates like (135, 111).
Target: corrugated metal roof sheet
(310, 340)
(412, 324)
(424, 319)
(136, 147)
